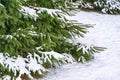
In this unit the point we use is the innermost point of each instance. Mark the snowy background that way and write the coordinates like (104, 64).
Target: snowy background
(105, 66)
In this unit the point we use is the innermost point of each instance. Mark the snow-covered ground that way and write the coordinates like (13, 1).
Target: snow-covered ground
(106, 65)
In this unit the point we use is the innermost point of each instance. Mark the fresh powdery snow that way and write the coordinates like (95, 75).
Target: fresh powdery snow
(106, 65)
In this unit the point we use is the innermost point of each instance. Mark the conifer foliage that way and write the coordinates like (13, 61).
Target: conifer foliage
(39, 39)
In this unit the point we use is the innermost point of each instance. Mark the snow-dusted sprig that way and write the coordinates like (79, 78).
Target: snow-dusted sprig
(52, 57)
(85, 52)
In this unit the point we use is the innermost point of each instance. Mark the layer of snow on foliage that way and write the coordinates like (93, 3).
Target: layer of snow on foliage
(106, 65)
(25, 65)
(22, 65)
(28, 11)
(65, 58)
(33, 12)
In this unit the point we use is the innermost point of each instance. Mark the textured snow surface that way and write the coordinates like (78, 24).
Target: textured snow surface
(106, 64)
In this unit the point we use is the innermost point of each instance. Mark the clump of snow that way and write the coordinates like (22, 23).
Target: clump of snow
(29, 11)
(69, 58)
(37, 63)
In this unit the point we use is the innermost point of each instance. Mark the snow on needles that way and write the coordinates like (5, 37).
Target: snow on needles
(34, 11)
(25, 65)
(22, 65)
(65, 58)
